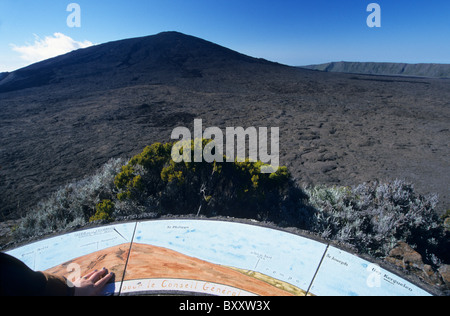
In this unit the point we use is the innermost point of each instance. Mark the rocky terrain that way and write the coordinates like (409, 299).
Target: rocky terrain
(390, 69)
(63, 118)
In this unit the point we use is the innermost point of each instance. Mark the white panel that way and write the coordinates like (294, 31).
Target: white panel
(344, 274)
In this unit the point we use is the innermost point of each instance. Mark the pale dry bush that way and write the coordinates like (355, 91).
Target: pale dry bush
(72, 205)
(374, 216)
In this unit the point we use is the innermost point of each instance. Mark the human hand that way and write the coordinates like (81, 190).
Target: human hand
(92, 283)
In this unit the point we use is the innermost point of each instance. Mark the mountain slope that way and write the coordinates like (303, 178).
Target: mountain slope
(63, 118)
(394, 69)
(162, 56)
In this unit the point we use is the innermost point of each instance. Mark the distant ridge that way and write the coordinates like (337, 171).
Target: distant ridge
(391, 69)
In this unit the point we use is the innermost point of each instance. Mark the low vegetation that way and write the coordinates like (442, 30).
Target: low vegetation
(153, 181)
(72, 205)
(372, 217)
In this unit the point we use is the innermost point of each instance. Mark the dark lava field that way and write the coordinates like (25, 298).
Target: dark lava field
(63, 118)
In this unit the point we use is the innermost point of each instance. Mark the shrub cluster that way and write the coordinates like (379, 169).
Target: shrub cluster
(372, 217)
(154, 181)
(103, 212)
(72, 205)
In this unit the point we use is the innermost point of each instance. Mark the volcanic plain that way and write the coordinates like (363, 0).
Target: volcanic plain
(62, 118)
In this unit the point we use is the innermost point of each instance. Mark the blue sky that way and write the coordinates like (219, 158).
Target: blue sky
(291, 32)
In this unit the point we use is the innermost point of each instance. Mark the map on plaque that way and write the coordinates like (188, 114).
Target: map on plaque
(220, 258)
(73, 255)
(344, 274)
(211, 257)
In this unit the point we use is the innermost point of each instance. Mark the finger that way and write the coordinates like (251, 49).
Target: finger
(87, 276)
(97, 275)
(102, 282)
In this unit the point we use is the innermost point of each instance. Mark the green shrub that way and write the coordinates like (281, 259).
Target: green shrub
(104, 211)
(238, 189)
(140, 177)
